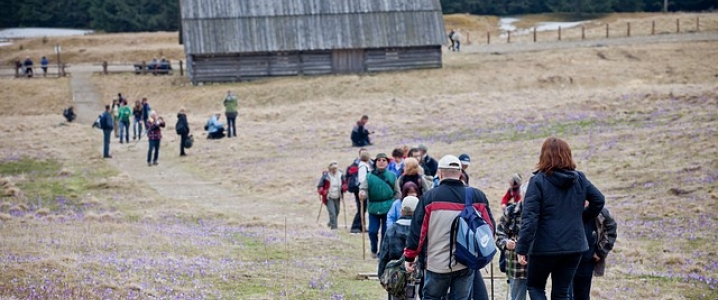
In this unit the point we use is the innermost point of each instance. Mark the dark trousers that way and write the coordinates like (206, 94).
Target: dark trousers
(106, 142)
(231, 124)
(216, 135)
(356, 224)
(581, 287)
(154, 145)
(560, 267)
(478, 290)
(183, 139)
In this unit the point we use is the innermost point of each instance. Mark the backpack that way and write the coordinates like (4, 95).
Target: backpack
(189, 142)
(352, 176)
(394, 278)
(97, 124)
(180, 128)
(472, 236)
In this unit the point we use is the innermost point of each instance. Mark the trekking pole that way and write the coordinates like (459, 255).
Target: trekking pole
(345, 211)
(363, 231)
(320, 208)
(491, 273)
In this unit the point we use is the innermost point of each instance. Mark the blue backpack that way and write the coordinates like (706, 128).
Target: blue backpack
(472, 236)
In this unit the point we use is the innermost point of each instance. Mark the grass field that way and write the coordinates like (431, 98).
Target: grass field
(641, 120)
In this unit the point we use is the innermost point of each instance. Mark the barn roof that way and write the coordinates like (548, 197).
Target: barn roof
(231, 26)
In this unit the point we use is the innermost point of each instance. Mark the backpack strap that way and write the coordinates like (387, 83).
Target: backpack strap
(455, 225)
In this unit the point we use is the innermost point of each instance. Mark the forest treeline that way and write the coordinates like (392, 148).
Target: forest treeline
(163, 15)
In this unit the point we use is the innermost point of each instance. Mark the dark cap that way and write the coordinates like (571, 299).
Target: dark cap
(465, 159)
(381, 155)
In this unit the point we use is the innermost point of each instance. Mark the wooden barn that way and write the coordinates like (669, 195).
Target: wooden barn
(233, 40)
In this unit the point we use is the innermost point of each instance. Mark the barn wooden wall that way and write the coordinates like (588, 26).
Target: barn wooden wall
(238, 67)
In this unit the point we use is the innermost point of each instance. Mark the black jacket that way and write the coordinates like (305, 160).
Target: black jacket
(182, 126)
(552, 219)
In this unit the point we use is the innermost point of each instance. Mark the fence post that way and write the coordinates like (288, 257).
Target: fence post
(653, 28)
(104, 68)
(488, 37)
(559, 33)
(534, 34)
(181, 68)
(468, 38)
(63, 70)
(583, 32)
(144, 67)
(509, 37)
(628, 30)
(17, 70)
(698, 24)
(606, 30)
(678, 25)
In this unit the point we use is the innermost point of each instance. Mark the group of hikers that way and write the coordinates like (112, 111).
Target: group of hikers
(26, 67)
(119, 117)
(555, 224)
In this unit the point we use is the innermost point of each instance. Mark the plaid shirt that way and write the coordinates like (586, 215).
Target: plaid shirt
(507, 229)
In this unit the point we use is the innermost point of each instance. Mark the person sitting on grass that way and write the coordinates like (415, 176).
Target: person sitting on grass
(214, 127)
(69, 114)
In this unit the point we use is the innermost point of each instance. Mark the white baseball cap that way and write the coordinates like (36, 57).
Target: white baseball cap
(449, 162)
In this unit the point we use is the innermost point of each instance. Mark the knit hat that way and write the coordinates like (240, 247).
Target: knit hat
(408, 205)
(381, 155)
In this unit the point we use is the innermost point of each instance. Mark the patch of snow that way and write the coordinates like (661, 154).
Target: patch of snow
(18, 33)
(4, 43)
(507, 24)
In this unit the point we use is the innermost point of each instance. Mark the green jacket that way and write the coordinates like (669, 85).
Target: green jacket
(381, 193)
(230, 104)
(125, 113)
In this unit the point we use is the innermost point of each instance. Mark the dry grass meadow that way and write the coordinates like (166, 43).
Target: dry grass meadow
(642, 121)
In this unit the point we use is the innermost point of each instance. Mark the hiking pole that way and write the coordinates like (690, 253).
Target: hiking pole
(320, 208)
(363, 230)
(345, 211)
(491, 273)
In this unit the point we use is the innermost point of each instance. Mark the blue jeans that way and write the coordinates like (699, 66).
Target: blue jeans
(137, 128)
(518, 288)
(125, 131)
(561, 268)
(376, 221)
(106, 142)
(437, 285)
(154, 145)
(478, 291)
(231, 124)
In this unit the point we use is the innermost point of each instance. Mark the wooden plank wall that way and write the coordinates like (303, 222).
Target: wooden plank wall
(379, 60)
(238, 67)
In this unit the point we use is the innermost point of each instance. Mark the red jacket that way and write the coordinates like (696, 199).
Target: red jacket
(325, 182)
(511, 193)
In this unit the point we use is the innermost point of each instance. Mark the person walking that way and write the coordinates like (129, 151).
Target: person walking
(182, 128)
(116, 116)
(513, 192)
(331, 187)
(230, 111)
(43, 64)
(380, 190)
(601, 234)
(146, 109)
(431, 235)
(552, 237)
(124, 120)
(107, 125)
(137, 120)
(154, 134)
(507, 232)
(465, 162)
(364, 165)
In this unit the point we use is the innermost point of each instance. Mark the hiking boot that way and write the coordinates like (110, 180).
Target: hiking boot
(154, 163)
(108, 156)
(374, 256)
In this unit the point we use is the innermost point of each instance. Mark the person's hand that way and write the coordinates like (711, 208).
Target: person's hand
(522, 259)
(596, 257)
(503, 206)
(511, 245)
(409, 266)
(362, 195)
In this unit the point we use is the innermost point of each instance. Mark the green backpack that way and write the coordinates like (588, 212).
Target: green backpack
(394, 278)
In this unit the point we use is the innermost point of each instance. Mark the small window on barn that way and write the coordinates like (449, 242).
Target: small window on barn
(391, 54)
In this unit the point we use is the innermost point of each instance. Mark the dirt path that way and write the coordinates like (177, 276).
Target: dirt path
(170, 179)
